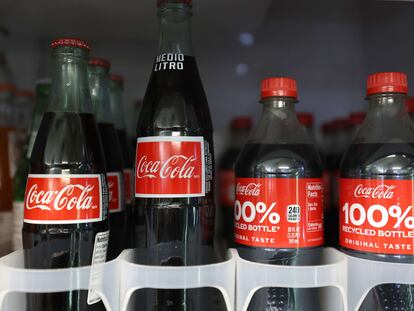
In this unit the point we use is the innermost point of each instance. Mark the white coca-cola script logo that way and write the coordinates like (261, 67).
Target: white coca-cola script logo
(63, 199)
(378, 192)
(251, 189)
(177, 166)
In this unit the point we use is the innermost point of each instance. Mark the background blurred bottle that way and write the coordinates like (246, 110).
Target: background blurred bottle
(19, 181)
(98, 71)
(307, 120)
(239, 132)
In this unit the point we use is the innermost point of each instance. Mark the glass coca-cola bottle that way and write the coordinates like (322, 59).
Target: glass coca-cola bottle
(19, 180)
(174, 163)
(239, 131)
(116, 85)
(99, 85)
(278, 209)
(376, 188)
(66, 200)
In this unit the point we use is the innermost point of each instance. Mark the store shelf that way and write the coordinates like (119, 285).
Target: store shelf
(353, 278)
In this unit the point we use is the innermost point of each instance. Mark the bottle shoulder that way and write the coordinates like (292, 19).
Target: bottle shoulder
(279, 161)
(379, 160)
(67, 142)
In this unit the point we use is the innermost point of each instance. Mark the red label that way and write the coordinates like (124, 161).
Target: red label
(128, 185)
(377, 216)
(114, 191)
(170, 166)
(226, 196)
(63, 199)
(279, 212)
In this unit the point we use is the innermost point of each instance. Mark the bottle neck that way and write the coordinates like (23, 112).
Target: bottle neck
(70, 91)
(175, 29)
(279, 123)
(99, 87)
(390, 104)
(115, 95)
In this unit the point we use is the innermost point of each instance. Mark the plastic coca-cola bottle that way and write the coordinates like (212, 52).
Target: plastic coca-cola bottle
(66, 200)
(279, 196)
(239, 131)
(409, 103)
(99, 85)
(376, 187)
(174, 163)
(116, 85)
(19, 180)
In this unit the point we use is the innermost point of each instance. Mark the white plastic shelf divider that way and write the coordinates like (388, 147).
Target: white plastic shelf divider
(353, 278)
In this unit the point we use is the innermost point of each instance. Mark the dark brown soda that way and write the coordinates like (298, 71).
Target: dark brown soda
(179, 231)
(130, 213)
(280, 161)
(66, 143)
(227, 162)
(114, 163)
(394, 161)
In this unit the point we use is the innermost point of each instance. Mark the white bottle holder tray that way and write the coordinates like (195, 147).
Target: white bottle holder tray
(352, 277)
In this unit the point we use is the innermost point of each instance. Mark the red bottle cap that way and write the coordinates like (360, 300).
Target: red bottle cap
(161, 2)
(99, 62)
(409, 103)
(70, 42)
(241, 123)
(7, 87)
(387, 82)
(275, 87)
(117, 78)
(24, 93)
(357, 117)
(306, 119)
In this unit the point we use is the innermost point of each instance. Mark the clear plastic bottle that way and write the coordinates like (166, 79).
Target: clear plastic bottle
(376, 188)
(279, 196)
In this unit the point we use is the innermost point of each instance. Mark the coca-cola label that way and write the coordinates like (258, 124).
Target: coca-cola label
(279, 212)
(226, 190)
(377, 215)
(63, 199)
(170, 166)
(114, 191)
(128, 185)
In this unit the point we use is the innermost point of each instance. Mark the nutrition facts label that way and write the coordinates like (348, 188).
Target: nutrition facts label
(99, 256)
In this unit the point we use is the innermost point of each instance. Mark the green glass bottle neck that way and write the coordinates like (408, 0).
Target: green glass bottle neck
(175, 29)
(70, 91)
(115, 96)
(99, 88)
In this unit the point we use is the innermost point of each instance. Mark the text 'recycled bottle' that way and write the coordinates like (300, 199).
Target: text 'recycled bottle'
(278, 212)
(376, 188)
(66, 200)
(239, 131)
(99, 85)
(20, 178)
(174, 163)
(116, 85)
